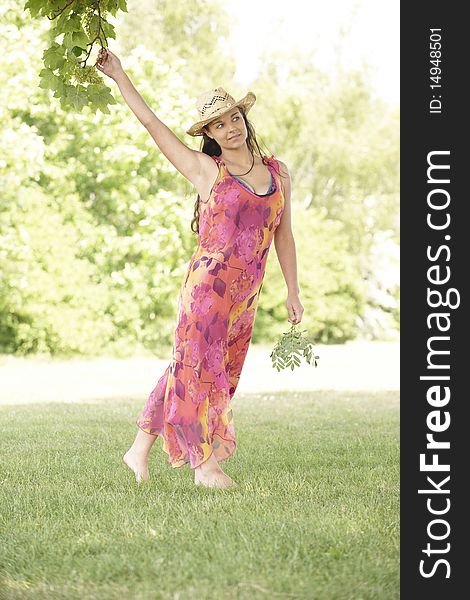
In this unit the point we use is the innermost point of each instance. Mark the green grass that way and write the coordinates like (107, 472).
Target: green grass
(315, 516)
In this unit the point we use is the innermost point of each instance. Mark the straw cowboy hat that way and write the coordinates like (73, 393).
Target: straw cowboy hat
(215, 103)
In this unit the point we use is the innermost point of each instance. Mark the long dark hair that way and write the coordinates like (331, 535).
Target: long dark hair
(210, 147)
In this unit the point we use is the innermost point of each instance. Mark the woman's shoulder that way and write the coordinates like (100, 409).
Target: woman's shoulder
(281, 166)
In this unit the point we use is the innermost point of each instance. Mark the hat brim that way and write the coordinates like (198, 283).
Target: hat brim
(246, 102)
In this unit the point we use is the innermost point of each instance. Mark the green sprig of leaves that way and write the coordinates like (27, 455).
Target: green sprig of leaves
(291, 348)
(83, 24)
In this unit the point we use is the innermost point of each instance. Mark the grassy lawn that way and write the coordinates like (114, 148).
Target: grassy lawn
(315, 516)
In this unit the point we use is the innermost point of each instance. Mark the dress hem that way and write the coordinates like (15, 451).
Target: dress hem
(178, 464)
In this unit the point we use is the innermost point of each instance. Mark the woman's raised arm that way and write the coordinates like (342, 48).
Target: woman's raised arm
(190, 163)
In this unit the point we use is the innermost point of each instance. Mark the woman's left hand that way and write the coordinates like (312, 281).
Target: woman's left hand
(294, 308)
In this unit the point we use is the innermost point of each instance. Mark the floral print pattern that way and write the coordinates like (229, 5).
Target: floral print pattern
(190, 404)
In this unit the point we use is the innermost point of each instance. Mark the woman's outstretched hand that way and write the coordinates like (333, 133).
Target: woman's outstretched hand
(108, 63)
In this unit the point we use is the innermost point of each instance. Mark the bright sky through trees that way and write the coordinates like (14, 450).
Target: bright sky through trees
(348, 32)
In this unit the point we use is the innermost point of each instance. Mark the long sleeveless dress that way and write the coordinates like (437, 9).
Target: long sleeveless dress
(217, 303)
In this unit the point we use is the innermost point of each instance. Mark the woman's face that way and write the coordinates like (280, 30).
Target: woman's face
(228, 130)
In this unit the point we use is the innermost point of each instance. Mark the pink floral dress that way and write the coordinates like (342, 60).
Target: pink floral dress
(190, 404)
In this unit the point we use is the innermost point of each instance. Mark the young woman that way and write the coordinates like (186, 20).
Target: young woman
(243, 205)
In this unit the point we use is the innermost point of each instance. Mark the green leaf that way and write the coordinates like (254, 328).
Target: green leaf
(60, 90)
(53, 57)
(100, 96)
(34, 7)
(80, 38)
(77, 51)
(77, 97)
(72, 24)
(68, 41)
(49, 81)
(108, 29)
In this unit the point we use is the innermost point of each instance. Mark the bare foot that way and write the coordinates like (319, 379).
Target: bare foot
(137, 465)
(210, 474)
